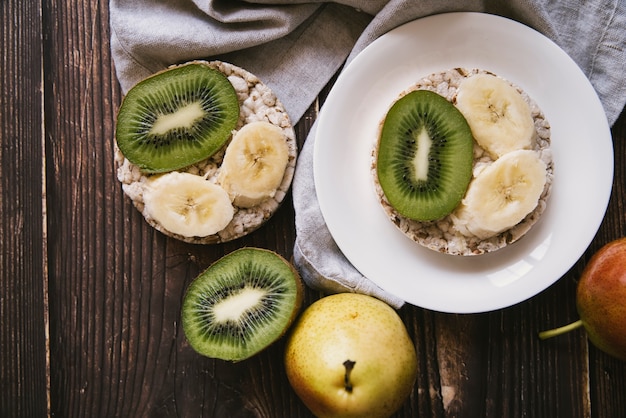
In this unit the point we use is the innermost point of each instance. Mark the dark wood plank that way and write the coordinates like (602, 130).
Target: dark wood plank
(94, 308)
(23, 353)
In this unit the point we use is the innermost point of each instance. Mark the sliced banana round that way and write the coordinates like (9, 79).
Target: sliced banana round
(187, 204)
(498, 115)
(502, 194)
(256, 102)
(254, 164)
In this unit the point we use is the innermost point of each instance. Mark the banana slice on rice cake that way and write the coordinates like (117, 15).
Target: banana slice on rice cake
(208, 153)
(511, 173)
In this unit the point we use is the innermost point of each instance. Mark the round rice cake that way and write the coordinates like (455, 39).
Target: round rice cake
(441, 235)
(257, 103)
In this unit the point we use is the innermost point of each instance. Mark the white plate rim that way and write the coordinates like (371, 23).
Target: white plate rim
(422, 277)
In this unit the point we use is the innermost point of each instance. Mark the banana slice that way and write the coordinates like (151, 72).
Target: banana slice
(500, 118)
(501, 195)
(254, 163)
(187, 205)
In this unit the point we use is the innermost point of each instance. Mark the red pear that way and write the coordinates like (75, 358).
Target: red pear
(601, 300)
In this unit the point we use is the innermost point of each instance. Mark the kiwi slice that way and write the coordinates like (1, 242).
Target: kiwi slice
(241, 304)
(425, 156)
(176, 117)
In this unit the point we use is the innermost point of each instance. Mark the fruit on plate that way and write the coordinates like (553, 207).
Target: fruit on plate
(350, 355)
(502, 194)
(424, 156)
(499, 116)
(176, 117)
(187, 204)
(254, 163)
(601, 300)
(506, 194)
(241, 304)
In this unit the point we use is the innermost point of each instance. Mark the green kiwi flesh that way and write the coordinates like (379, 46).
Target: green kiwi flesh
(176, 117)
(241, 304)
(425, 156)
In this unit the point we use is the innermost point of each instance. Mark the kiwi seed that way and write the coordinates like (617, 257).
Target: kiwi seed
(176, 117)
(241, 304)
(425, 156)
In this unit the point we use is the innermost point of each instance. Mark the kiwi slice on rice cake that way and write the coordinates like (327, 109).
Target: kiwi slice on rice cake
(182, 120)
(441, 227)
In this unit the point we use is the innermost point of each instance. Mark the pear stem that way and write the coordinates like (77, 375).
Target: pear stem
(349, 365)
(561, 330)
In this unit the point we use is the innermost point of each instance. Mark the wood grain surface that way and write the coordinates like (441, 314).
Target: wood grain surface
(90, 295)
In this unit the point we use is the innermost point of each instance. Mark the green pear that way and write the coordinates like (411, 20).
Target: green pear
(601, 300)
(350, 355)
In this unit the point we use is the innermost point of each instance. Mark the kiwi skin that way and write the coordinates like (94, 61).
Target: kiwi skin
(179, 147)
(447, 128)
(216, 275)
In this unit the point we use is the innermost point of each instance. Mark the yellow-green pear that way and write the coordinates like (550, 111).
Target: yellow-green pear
(350, 355)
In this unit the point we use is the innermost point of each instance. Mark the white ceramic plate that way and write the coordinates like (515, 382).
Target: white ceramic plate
(582, 152)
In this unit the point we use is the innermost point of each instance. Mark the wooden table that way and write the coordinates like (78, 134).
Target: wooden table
(90, 294)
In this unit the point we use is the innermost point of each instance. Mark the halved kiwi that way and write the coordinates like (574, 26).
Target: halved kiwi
(425, 156)
(176, 117)
(241, 304)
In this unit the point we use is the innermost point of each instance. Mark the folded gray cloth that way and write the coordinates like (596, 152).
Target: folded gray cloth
(295, 47)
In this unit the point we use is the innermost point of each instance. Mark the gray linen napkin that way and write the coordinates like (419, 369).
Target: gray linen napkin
(296, 47)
